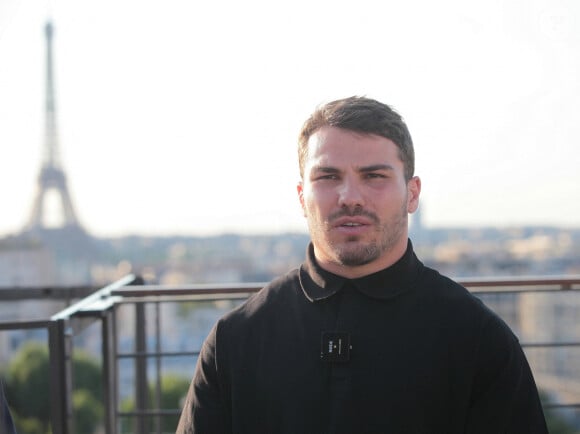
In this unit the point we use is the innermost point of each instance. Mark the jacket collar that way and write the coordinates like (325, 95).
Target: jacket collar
(319, 284)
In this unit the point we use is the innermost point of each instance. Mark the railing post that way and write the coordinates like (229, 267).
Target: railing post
(109, 379)
(60, 332)
(141, 383)
(60, 378)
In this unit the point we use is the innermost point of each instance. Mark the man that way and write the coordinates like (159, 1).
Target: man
(362, 338)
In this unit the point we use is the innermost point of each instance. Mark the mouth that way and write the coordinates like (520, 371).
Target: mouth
(351, 226)
(351, 222)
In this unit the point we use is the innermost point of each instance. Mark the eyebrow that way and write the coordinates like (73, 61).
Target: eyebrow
(364, 169)
(325, 169)
(376, 167)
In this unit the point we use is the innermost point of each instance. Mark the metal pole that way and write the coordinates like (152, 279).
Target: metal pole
(141, 383)
(158, 418)
(109, 390)
(60, 378)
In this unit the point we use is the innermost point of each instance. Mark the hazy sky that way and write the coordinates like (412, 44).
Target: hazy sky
(181, 117)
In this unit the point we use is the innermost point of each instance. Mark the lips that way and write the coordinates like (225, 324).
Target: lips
(351, 222)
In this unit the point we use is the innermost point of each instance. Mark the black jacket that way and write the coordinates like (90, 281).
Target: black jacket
(419, 354)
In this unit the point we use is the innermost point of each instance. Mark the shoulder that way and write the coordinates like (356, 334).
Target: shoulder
(441, 285)
(455, 301)
(282, 292)
(446, 292)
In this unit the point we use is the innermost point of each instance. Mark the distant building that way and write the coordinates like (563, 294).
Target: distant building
(26, 263)
(553, 317)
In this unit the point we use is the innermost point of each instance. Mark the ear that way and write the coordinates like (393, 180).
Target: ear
(413, 192)
(300, 191)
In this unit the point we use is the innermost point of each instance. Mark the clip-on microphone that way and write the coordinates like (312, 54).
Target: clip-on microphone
(335, 347)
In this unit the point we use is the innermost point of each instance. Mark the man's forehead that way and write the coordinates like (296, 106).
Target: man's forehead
(323, 133)
(330, 144)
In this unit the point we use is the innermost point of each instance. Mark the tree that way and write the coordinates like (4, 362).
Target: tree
(27, 382)
(88, 411)
(173, 390)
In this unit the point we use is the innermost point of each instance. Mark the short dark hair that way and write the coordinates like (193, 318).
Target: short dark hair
(363, 115)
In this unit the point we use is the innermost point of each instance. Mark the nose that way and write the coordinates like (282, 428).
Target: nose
(350, 194)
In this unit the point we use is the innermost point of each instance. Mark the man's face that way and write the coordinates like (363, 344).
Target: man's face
(356, 201)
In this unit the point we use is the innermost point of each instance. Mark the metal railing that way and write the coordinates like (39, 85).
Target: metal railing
(130, 310)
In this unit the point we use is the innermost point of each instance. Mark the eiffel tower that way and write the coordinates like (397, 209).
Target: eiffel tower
(52, 176)
(69, 241)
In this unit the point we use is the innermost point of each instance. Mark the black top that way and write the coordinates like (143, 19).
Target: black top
(418, 354)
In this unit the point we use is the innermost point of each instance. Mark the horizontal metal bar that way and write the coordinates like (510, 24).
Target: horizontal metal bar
(563, 282)
(551, 405)
(19, 325)
(157, 354)
(35, 293)
(204, 298)
(202, 289)
(549, 344)
(160, 412)
(523, 290)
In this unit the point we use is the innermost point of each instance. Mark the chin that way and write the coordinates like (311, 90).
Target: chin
(357, 254)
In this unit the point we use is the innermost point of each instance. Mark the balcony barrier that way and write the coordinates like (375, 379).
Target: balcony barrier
(130, 317)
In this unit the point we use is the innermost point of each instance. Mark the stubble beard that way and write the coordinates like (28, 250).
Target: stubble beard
(354, 252)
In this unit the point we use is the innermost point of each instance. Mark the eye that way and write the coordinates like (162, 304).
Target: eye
(374, 175)
(326, 176)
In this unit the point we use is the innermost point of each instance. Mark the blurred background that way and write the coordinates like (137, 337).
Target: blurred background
(181, 120)
(160, 140)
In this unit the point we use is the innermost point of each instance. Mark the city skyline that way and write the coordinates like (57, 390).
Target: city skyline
(183, 119)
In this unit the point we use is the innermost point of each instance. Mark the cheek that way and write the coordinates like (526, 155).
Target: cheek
(314, 206)
(319, 201)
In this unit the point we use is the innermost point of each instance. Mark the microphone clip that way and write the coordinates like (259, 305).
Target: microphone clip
(335, 347)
